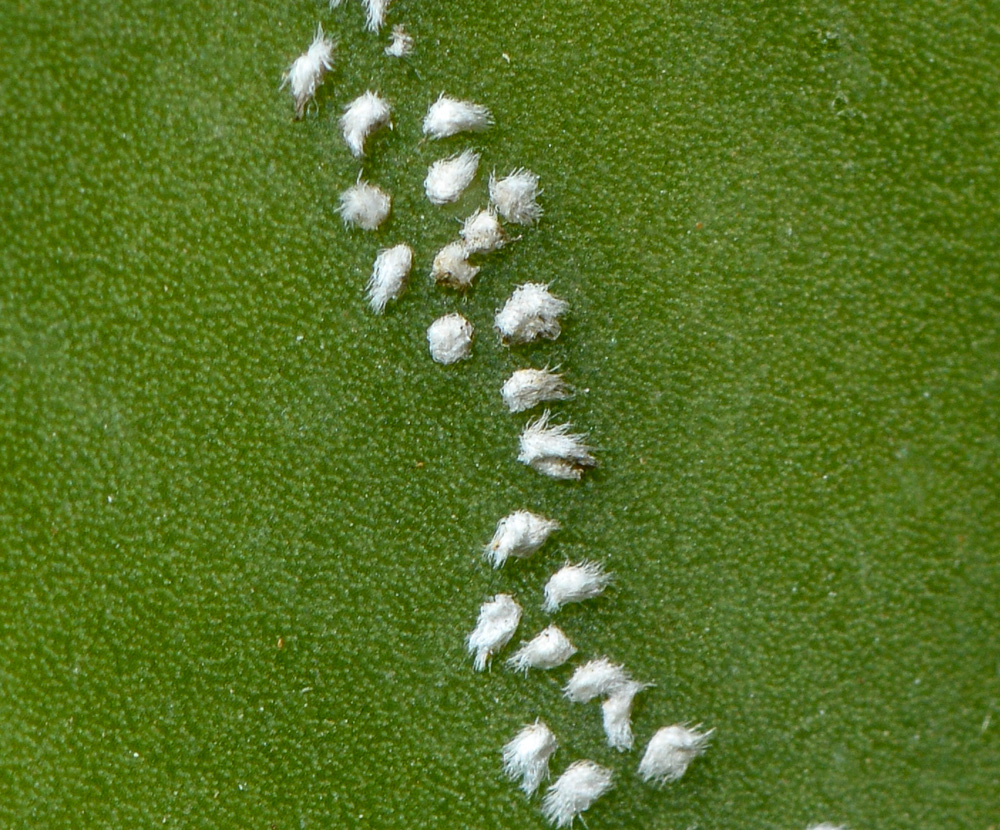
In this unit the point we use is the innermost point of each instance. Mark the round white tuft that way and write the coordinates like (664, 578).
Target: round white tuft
(527, 755)
(515, 195)
(389, 275)
(548, 650)
(365, 206)
(596, 678)
(527, 388)
(452, 268)
(447, 178)
(361, 118)
(520, 534)
(498, 620)
(671, 751)
(450, 338)
(448, 116)
(530, 313)
(575, 791)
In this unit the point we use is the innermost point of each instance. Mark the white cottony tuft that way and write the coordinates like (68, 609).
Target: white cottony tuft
(447, 178)
(617, 714)
(389, 274)
(527, 388)
(364, 205)
(527, 755)
(448, 116)
(482, 233)
(548, 650)
(450, 338)
(554, 450)
(514, 196)
(306, 73)
(361, 118)
(530, 313)
(827, 826)
(498, 620)
(670, 752)
(575, 583)
(575, 791)
(375, 11)
(596, 678)
(401, 43)
(520, 534)
(452, 268)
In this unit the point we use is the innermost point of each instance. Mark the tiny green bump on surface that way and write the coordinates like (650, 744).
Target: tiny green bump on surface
(775, 226)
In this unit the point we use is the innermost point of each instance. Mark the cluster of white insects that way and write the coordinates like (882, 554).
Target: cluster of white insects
(531, 313)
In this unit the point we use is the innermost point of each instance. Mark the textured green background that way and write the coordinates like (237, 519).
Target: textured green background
(777, 226)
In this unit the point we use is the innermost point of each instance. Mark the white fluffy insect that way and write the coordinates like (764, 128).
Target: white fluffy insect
(548, 650)
(482, 233)
(451, 267)
(527, 755)
(530, 312)
(361, 118)
(498, 620)
(575, 583)
(400, 43)
(447, 178)
(448, 116)
(671, 751)
(527, 388)
(575, 791)
(596, 678)
(449, 339)
(520, 534)
(515, 195)
(364, 205)
(554, 450)
(616, 712)
(307, 71)
(389, 275)
(375, 11)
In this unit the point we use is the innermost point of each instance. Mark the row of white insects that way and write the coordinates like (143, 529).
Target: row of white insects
(532, 312)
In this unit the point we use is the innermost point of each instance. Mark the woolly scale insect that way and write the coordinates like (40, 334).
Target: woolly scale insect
(575, 791)
(306, 73)
(527, 755)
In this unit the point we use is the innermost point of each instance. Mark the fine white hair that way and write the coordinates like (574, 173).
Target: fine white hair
(389, 275)
(527, 755)
(482, 233)
(307, 71)
(515, 195)
(448, 116)
(670, 751)
(364, 205)
(498, 620)
(530, 312)
(447, 178)
(575, 791)
(375, 11)
(400, 44)
(361, 118)
(548, 650)
(451, 267)
(554, 450)
(616, 712)
(449, 339)
(520, 534)
(527, 388)
(596, 678)
(575, 583)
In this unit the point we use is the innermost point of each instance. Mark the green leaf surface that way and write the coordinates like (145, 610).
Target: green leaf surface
(241, 518)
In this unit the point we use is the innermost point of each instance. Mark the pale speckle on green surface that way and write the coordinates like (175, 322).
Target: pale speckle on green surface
(775, 225)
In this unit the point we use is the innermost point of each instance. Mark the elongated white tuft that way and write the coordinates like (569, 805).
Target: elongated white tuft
(575, 791)
(671, 751)
(520, 534)
(548, 650)
(483, 233)
(361, 118)
(389, 275)
(515, 195)
(527, 388)
(527, 755)
(530, 313)
(307, 71)
(827, 826)
(400, 44)
(448, 177)
(375, 11)
(364, 205)
(596, 678)
(617, 714)
(554, 451)
(575, 583)
(498, 620)
(448, 116)
(450, 339)
(452, 268)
